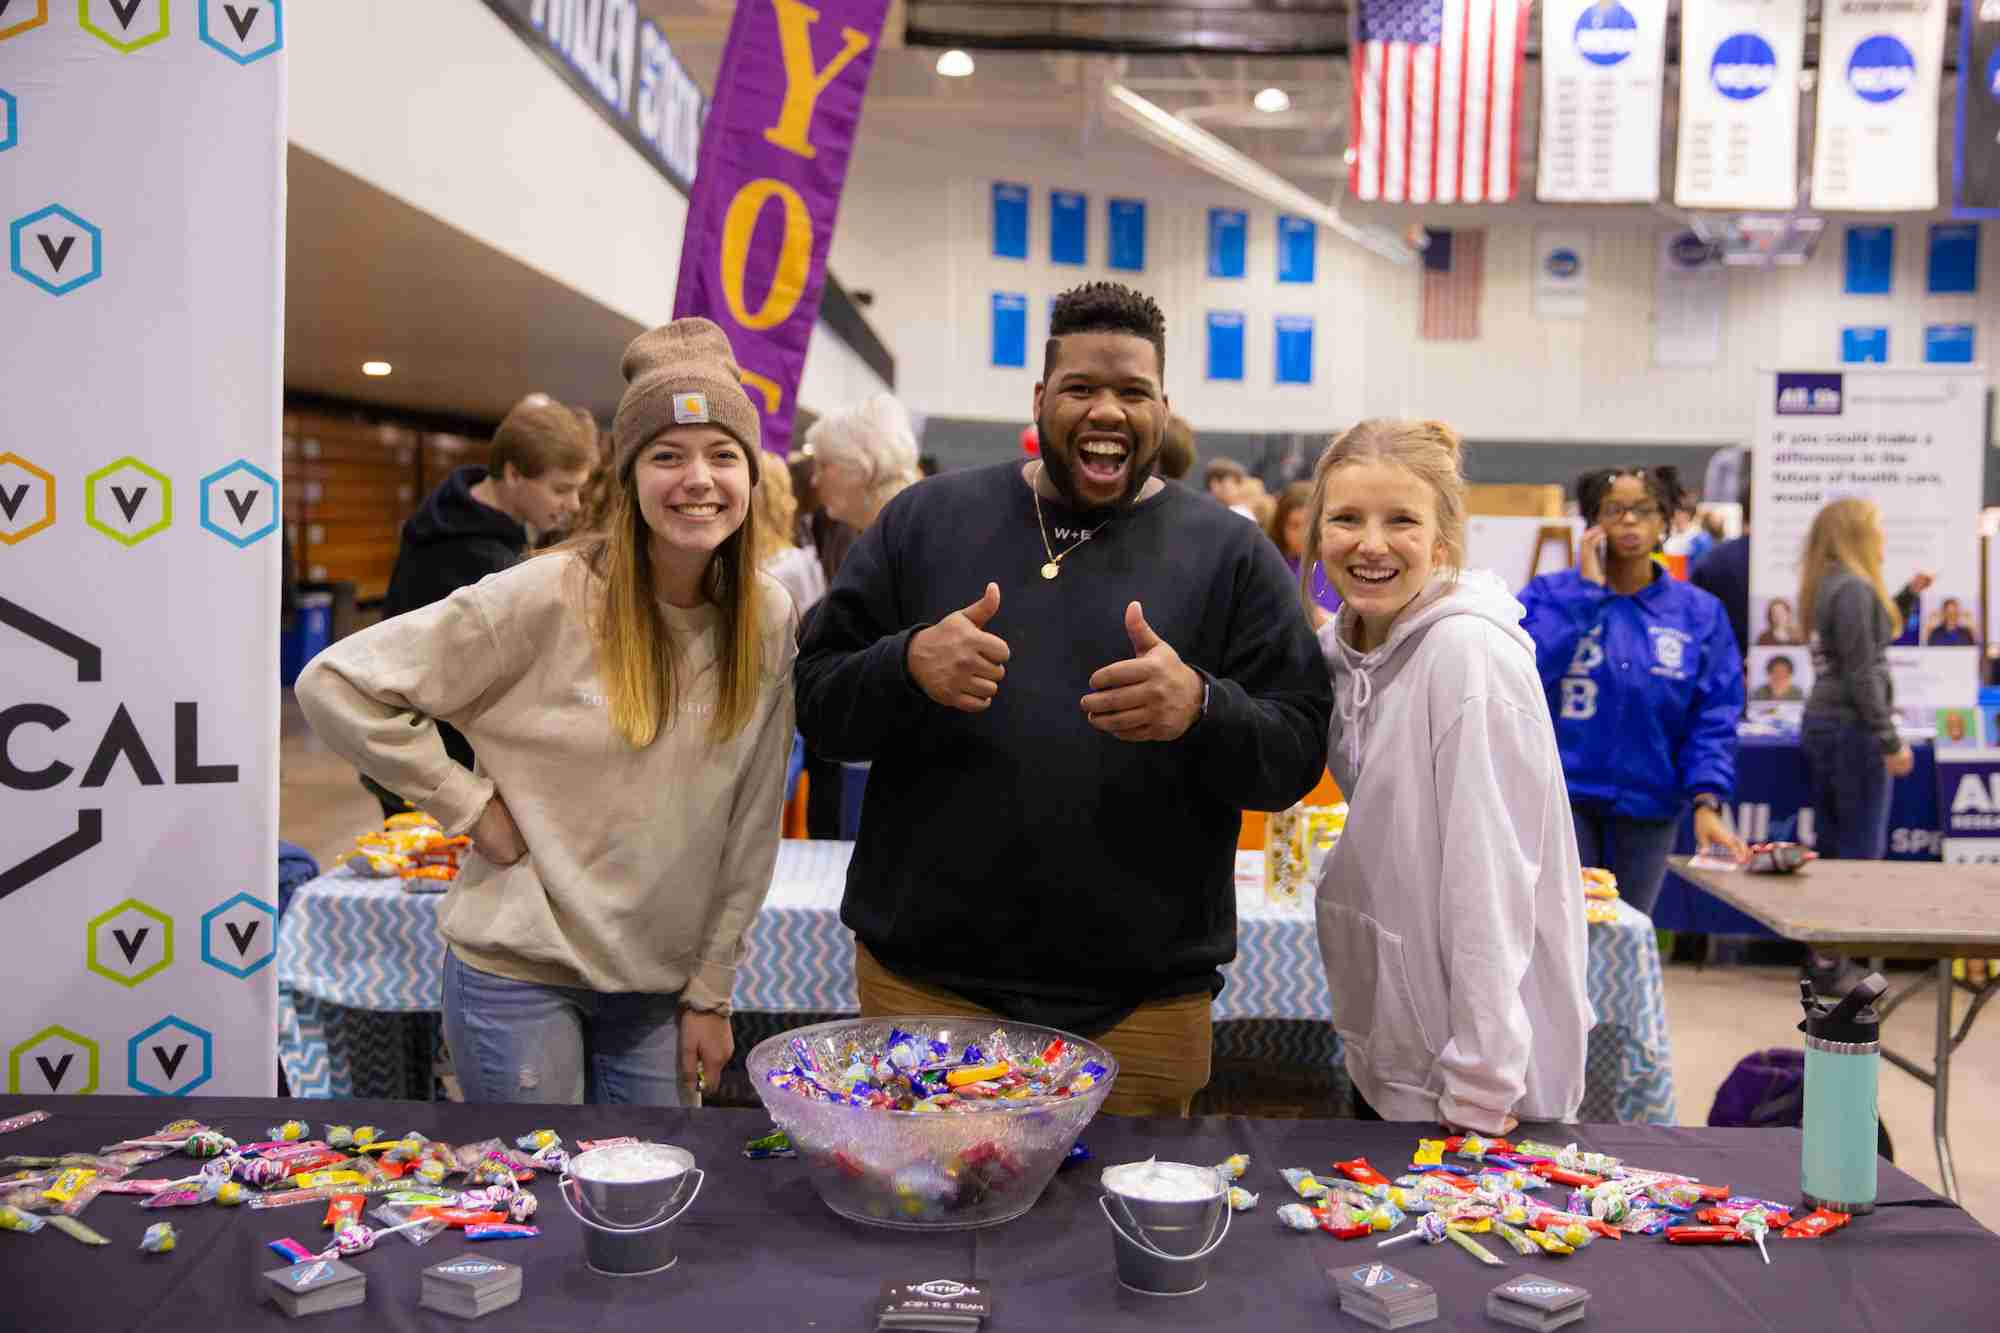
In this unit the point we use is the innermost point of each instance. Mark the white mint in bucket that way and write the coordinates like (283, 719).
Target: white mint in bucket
(1163, 1182)
(628, 1163)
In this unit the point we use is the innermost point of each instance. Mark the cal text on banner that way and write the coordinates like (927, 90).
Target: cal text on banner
(1602, 72)
(1975, 171)
(1739, 127)
(140, 529)
(1875, 145)
(1435, 113)
(1912, 442)
(1968, 783)
(774, 156)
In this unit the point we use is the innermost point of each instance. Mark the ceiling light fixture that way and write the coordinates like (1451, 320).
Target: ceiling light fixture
(376, 369)
(955, 65)
(1194, 144)
(1272, 100)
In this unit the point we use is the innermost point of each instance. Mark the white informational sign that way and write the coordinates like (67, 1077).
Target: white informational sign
(1690, 293)
(1875, 142)
(1911, 442)
(139, 546)
(1562, 273)
(1602, 63)
(1739, 128)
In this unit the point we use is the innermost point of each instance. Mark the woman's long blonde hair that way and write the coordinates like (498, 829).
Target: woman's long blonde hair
(1429, 449)
(1845, 533)
(774, 509)
(635, 655)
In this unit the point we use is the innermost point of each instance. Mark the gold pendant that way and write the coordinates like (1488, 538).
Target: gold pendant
(1051, 569)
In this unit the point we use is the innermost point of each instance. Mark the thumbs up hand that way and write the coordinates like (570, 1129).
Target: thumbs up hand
(1152, 695)
(956, 662)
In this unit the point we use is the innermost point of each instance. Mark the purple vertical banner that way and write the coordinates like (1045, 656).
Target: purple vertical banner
(774, 156)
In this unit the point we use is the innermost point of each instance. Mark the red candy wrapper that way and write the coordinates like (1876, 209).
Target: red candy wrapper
(1729, 1217)
(461, 1217)
(1816, 1224)
(1358, 1171)
(342, 1210)
(1576, 1179)
(1706, 1236)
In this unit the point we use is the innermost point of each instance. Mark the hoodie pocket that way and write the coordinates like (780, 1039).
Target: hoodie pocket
(1374, 1006)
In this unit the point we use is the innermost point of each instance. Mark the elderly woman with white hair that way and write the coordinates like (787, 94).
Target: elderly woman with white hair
(862, 457)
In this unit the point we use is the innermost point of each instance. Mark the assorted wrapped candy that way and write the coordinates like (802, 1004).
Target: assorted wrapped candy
(1241, 1200)
(909, 1073)
(1303, 1182)
(159, 1238)
(1233, 1166)
(208, 1143)
(291, 1131)
(1298, 1217)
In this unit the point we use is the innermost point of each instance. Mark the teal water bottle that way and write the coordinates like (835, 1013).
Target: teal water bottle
(1843, 1057)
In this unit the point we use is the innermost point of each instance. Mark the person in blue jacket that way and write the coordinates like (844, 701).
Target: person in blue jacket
(1645, 682)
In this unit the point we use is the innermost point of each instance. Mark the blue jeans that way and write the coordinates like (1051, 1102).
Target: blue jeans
(516, 1041)
(1635, 850)
(1850, 789)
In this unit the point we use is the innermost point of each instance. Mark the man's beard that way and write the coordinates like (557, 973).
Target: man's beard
(1064, 480)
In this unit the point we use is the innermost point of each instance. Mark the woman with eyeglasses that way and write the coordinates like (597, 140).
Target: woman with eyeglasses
(1645, 683)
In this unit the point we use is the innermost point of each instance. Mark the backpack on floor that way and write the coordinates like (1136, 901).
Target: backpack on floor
(1767, 1090)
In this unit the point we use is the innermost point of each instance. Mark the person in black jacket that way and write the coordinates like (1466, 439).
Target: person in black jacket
(481, 520)
(1071, 679)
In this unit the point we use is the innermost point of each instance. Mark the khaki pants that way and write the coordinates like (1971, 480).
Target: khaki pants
(1162, 1048)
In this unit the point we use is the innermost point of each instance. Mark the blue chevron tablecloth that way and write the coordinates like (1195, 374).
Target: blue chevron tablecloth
(354, 950)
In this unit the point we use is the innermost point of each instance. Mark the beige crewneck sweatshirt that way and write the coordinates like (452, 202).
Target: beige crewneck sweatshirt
(644, 867)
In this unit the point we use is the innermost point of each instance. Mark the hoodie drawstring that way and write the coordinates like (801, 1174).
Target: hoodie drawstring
(1353, 706)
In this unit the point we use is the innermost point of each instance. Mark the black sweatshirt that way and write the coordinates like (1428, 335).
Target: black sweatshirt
(451, 542)
(1019, 857)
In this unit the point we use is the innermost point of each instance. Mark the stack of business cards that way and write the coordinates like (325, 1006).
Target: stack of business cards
(941, 1305)
(1385, 1297)
(316, 1286)
(1537, 1302)
(471, 1285)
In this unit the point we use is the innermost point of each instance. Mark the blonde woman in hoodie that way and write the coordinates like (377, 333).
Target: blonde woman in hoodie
(1451, 913)
(630, 700)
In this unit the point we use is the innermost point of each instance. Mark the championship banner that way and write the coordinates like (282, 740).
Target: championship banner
(1602, 80)
(767, 189)
(1739, 127)
(1875, 145)
(142, 186)
(1913, 442)
(1562, 273)
(1975, 170)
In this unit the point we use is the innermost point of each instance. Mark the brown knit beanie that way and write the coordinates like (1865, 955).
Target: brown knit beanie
(683, 374)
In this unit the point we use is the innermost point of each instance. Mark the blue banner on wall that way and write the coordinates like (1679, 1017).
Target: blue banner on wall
(1010, 221)
(1954, 259)
(1225, 345)
(1298, 246)
(1864, 343)
(1871, 260)
(1295, 349)
(1128, 235)
(1228, 231)
(1948, 344)
(1010, 329)
(1069, 213)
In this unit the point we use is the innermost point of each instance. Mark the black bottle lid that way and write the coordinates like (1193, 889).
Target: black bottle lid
(1854, 1020)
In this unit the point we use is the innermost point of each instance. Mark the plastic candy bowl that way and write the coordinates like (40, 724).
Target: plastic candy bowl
(949, 1170)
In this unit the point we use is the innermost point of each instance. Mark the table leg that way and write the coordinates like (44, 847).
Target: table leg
(1941, 1086)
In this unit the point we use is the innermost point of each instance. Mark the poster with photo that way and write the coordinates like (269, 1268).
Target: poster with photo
(1911, 441)
(1958, 729)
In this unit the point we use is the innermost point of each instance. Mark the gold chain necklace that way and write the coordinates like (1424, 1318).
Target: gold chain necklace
(1054, 565)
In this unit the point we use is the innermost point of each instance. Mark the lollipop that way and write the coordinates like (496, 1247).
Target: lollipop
(1430, 1229)
(1755, 1224)
(522, 1206)
(208, 1143)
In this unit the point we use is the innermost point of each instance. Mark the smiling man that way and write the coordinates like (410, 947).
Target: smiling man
(1071, 678)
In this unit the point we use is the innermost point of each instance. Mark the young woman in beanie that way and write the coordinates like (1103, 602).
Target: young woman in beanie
(629, 698)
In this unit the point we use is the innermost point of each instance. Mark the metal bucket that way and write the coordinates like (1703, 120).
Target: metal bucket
(628, 1211)
(1163, 1248)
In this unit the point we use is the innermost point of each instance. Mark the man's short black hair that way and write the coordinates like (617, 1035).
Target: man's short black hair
(1105, 307)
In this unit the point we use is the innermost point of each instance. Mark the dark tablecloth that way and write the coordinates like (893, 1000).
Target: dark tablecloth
(758, 1250)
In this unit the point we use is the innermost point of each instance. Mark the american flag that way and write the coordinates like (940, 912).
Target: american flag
(1437, 99)
(1454, 270)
